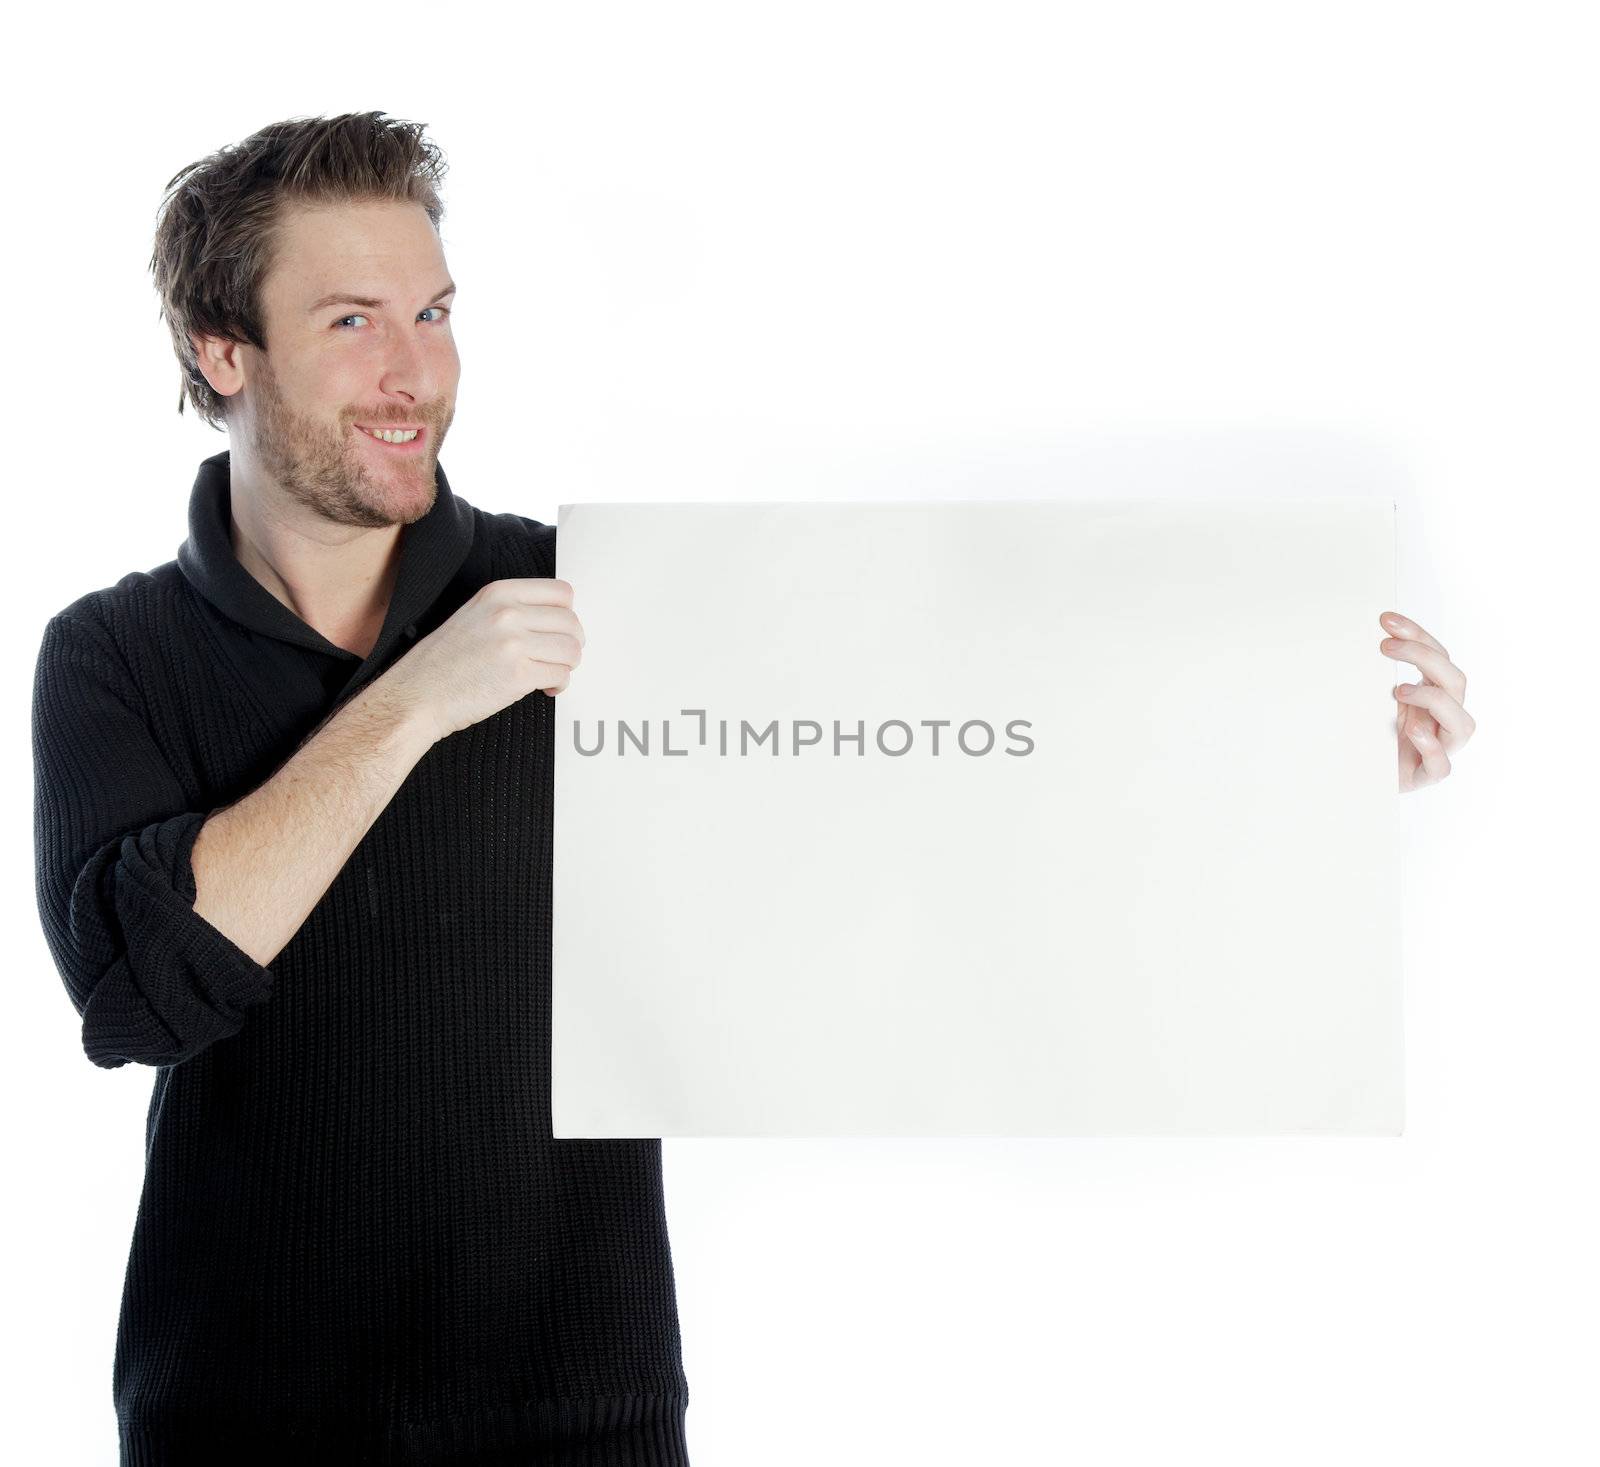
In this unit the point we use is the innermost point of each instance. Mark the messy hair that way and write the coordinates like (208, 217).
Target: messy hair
(218, 222)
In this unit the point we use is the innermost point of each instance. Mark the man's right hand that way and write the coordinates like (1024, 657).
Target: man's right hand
(511, 638)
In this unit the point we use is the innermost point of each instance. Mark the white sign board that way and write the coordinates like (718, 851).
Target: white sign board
(1029, 818)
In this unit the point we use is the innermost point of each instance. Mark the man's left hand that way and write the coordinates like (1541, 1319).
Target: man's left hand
(1432, 724)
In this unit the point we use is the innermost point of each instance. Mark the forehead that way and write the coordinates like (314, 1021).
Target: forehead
(371, 248)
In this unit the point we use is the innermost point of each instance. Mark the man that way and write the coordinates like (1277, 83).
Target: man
(293, 825)
(294, 839)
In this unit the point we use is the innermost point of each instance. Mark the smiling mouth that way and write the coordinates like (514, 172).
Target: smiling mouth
(414, 435)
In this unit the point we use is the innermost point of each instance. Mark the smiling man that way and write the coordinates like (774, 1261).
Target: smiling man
(293, 833)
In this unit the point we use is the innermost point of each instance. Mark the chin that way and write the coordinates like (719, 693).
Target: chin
(412, 506)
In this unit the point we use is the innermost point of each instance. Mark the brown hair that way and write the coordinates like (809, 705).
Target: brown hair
(217, 225)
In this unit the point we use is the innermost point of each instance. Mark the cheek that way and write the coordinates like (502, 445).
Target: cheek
(343, 392)
(326, 385)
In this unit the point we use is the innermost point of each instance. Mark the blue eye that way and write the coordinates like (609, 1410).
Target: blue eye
(343, 319)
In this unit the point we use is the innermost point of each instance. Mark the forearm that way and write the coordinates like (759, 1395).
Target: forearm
(264, 862)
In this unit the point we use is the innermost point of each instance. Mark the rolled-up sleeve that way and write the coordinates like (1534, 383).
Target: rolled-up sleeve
(153, 981)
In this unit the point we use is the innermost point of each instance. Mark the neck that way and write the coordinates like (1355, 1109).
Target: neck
(336, 578)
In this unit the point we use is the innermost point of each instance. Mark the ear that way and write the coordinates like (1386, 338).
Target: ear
(221, 363)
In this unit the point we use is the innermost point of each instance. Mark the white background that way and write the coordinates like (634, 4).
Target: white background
(797, 250)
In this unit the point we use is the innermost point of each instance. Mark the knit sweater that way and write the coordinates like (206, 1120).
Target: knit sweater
(357, 1239)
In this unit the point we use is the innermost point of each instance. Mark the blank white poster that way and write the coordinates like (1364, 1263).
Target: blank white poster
(1027, 818)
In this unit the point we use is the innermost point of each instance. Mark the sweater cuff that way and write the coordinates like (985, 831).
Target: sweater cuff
(230, 978)
(187, 984)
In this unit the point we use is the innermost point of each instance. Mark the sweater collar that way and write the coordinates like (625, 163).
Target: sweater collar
(431, 551)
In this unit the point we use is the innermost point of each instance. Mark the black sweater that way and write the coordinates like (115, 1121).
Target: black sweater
(358, 1240)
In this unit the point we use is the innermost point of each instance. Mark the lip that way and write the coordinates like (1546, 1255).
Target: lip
(402, 449)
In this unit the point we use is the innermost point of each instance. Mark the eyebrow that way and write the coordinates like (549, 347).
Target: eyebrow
(367, 302)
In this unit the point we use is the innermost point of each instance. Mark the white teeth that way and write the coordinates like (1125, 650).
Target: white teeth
(393, 436)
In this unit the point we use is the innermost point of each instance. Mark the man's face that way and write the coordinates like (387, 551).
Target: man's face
(335, 366)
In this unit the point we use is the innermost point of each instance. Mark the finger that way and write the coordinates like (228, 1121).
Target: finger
(1456, 725)
(1434, 666)
(1410, 755)
(529, 590)
(550, 677)
(1400, 626)
(554, 649)
(1435, 765)
(1410, 763)
(543, 618)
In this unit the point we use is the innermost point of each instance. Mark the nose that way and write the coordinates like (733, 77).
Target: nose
(413, 369)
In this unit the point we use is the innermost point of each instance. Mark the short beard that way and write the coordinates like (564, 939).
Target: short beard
(295, 453)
